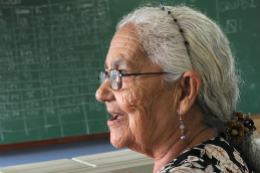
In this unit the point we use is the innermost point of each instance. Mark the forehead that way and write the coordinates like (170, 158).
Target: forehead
(125, 49)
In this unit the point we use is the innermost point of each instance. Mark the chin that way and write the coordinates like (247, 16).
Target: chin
(117, 144)
(119, 140)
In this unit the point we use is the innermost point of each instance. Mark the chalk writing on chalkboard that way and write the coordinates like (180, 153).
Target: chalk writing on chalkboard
(48, 69)
(51, 52)
(237, 4)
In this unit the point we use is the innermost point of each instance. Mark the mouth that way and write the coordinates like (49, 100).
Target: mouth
(115, 119)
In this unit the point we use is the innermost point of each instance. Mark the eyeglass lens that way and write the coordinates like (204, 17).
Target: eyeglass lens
(102, 77)
(114, 79)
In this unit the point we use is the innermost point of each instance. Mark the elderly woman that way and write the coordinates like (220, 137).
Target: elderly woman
(170, 85)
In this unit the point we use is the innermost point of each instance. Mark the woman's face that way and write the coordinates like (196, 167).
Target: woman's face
(143, 109)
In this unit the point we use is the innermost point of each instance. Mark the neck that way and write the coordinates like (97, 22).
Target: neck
(174, 147)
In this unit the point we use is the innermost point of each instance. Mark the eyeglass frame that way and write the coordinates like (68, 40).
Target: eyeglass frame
(107, 75)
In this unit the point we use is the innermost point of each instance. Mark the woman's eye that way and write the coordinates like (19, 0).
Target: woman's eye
(122, 71)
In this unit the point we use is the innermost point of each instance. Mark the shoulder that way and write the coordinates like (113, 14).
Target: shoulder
(215, 155)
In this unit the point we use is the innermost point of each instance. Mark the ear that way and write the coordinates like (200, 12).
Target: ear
(189, 88)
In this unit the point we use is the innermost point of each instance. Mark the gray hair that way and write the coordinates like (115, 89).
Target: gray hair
(210, 56)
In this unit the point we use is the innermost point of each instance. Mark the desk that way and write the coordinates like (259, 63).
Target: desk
(123, 161)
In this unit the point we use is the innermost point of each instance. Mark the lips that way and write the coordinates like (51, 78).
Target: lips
(116, 118)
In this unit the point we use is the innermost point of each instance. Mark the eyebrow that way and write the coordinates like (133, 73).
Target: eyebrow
(118, 63)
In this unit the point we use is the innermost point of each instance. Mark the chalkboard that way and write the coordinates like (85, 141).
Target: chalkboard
(51, 52)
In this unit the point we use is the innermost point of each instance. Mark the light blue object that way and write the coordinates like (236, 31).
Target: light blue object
(54, 152)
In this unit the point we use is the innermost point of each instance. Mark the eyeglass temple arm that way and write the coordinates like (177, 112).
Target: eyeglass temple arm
(137, 74)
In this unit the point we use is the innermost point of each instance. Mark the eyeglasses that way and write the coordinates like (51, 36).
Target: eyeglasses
(115, 77)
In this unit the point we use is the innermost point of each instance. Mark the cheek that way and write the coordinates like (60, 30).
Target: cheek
(136, 100)
(137, 103)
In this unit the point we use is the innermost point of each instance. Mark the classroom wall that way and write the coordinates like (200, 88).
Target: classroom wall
(231, 15)
(54, 152)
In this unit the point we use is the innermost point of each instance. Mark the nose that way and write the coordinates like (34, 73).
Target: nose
(104, 92)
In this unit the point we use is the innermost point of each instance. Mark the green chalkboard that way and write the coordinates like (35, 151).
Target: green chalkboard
(51, 52)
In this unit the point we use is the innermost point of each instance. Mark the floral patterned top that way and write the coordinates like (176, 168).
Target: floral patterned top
(213, 156)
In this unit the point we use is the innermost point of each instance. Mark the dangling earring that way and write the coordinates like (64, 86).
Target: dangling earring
(183, 137)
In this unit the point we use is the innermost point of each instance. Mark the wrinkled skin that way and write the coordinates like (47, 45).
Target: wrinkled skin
(147, 102)
(151, 107)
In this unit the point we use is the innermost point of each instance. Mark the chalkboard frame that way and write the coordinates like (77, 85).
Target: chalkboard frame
(46, 142)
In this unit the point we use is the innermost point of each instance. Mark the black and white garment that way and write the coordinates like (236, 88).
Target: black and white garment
(213, 156)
